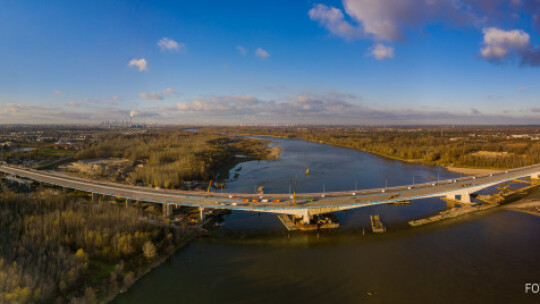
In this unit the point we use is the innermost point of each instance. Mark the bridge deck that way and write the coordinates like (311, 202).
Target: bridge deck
(331, 201)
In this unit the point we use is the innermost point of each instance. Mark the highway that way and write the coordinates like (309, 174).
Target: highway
(331, 201)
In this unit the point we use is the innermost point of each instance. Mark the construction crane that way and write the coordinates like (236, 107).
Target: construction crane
(294, 193)
(209, 185)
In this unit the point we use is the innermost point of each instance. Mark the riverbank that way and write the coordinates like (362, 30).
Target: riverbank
(529, 204)
(194, 232)
(150, 267)
(528, 201)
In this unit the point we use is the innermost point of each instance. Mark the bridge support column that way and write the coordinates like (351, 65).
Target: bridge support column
(306, 218)
(167, 209)
(451, 197)
(201, 210)
(465, 197)
(535, 176)
(128, 203)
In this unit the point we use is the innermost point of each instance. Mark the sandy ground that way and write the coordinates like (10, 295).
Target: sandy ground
(98, 167)
(529, 204)
(274, 152)
(472, 171)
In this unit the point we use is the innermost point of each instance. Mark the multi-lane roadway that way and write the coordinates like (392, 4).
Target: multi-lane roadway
(305, 203)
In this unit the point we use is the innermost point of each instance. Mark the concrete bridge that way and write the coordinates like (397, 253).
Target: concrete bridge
(304, 205)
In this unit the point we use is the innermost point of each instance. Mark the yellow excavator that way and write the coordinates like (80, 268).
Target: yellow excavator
(503, 188)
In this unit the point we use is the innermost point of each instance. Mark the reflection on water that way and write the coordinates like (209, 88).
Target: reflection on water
(483, 257)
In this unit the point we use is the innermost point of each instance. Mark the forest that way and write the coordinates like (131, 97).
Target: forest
(168, 158)
(63, 248)
(474, 147)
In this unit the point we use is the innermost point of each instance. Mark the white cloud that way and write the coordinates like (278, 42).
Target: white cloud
(150, 95)
(262, 53)
(142, 113)
(141, 64)
(100, 101)
(219, 103)
(380, 19)
(242, 50)
(157, 96)
(333, 19)
(475, 111)
(382, 52)
(58, 93)
(167, 44)
(14, 108)
(74, 104)
(384, 19)
(500, 44)
(168, 91)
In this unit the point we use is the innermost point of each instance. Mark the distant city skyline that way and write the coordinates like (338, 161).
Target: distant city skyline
(392, 62)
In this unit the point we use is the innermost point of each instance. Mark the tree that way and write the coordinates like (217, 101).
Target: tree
(90, 296)
(149, 250)
(129, 279)
(81, 254)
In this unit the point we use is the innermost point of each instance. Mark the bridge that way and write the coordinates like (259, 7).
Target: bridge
(303, 205)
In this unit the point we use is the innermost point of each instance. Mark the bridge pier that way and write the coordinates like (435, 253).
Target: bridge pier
(306, 217)
(167, 209)
(535, 176)
(465, 197)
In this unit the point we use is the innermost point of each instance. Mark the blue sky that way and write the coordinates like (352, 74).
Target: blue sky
(229, 62)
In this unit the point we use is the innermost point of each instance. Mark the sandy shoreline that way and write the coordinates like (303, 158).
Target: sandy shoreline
(472, 171)
(529, 204)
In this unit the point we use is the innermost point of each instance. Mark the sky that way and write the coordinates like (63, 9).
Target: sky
(364, 62)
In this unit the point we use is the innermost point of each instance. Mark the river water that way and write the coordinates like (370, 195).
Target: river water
(483, 257)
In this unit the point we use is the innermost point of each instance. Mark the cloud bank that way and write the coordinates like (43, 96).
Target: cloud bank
(308, 108)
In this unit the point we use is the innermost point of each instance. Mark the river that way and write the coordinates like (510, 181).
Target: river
(483, 257)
